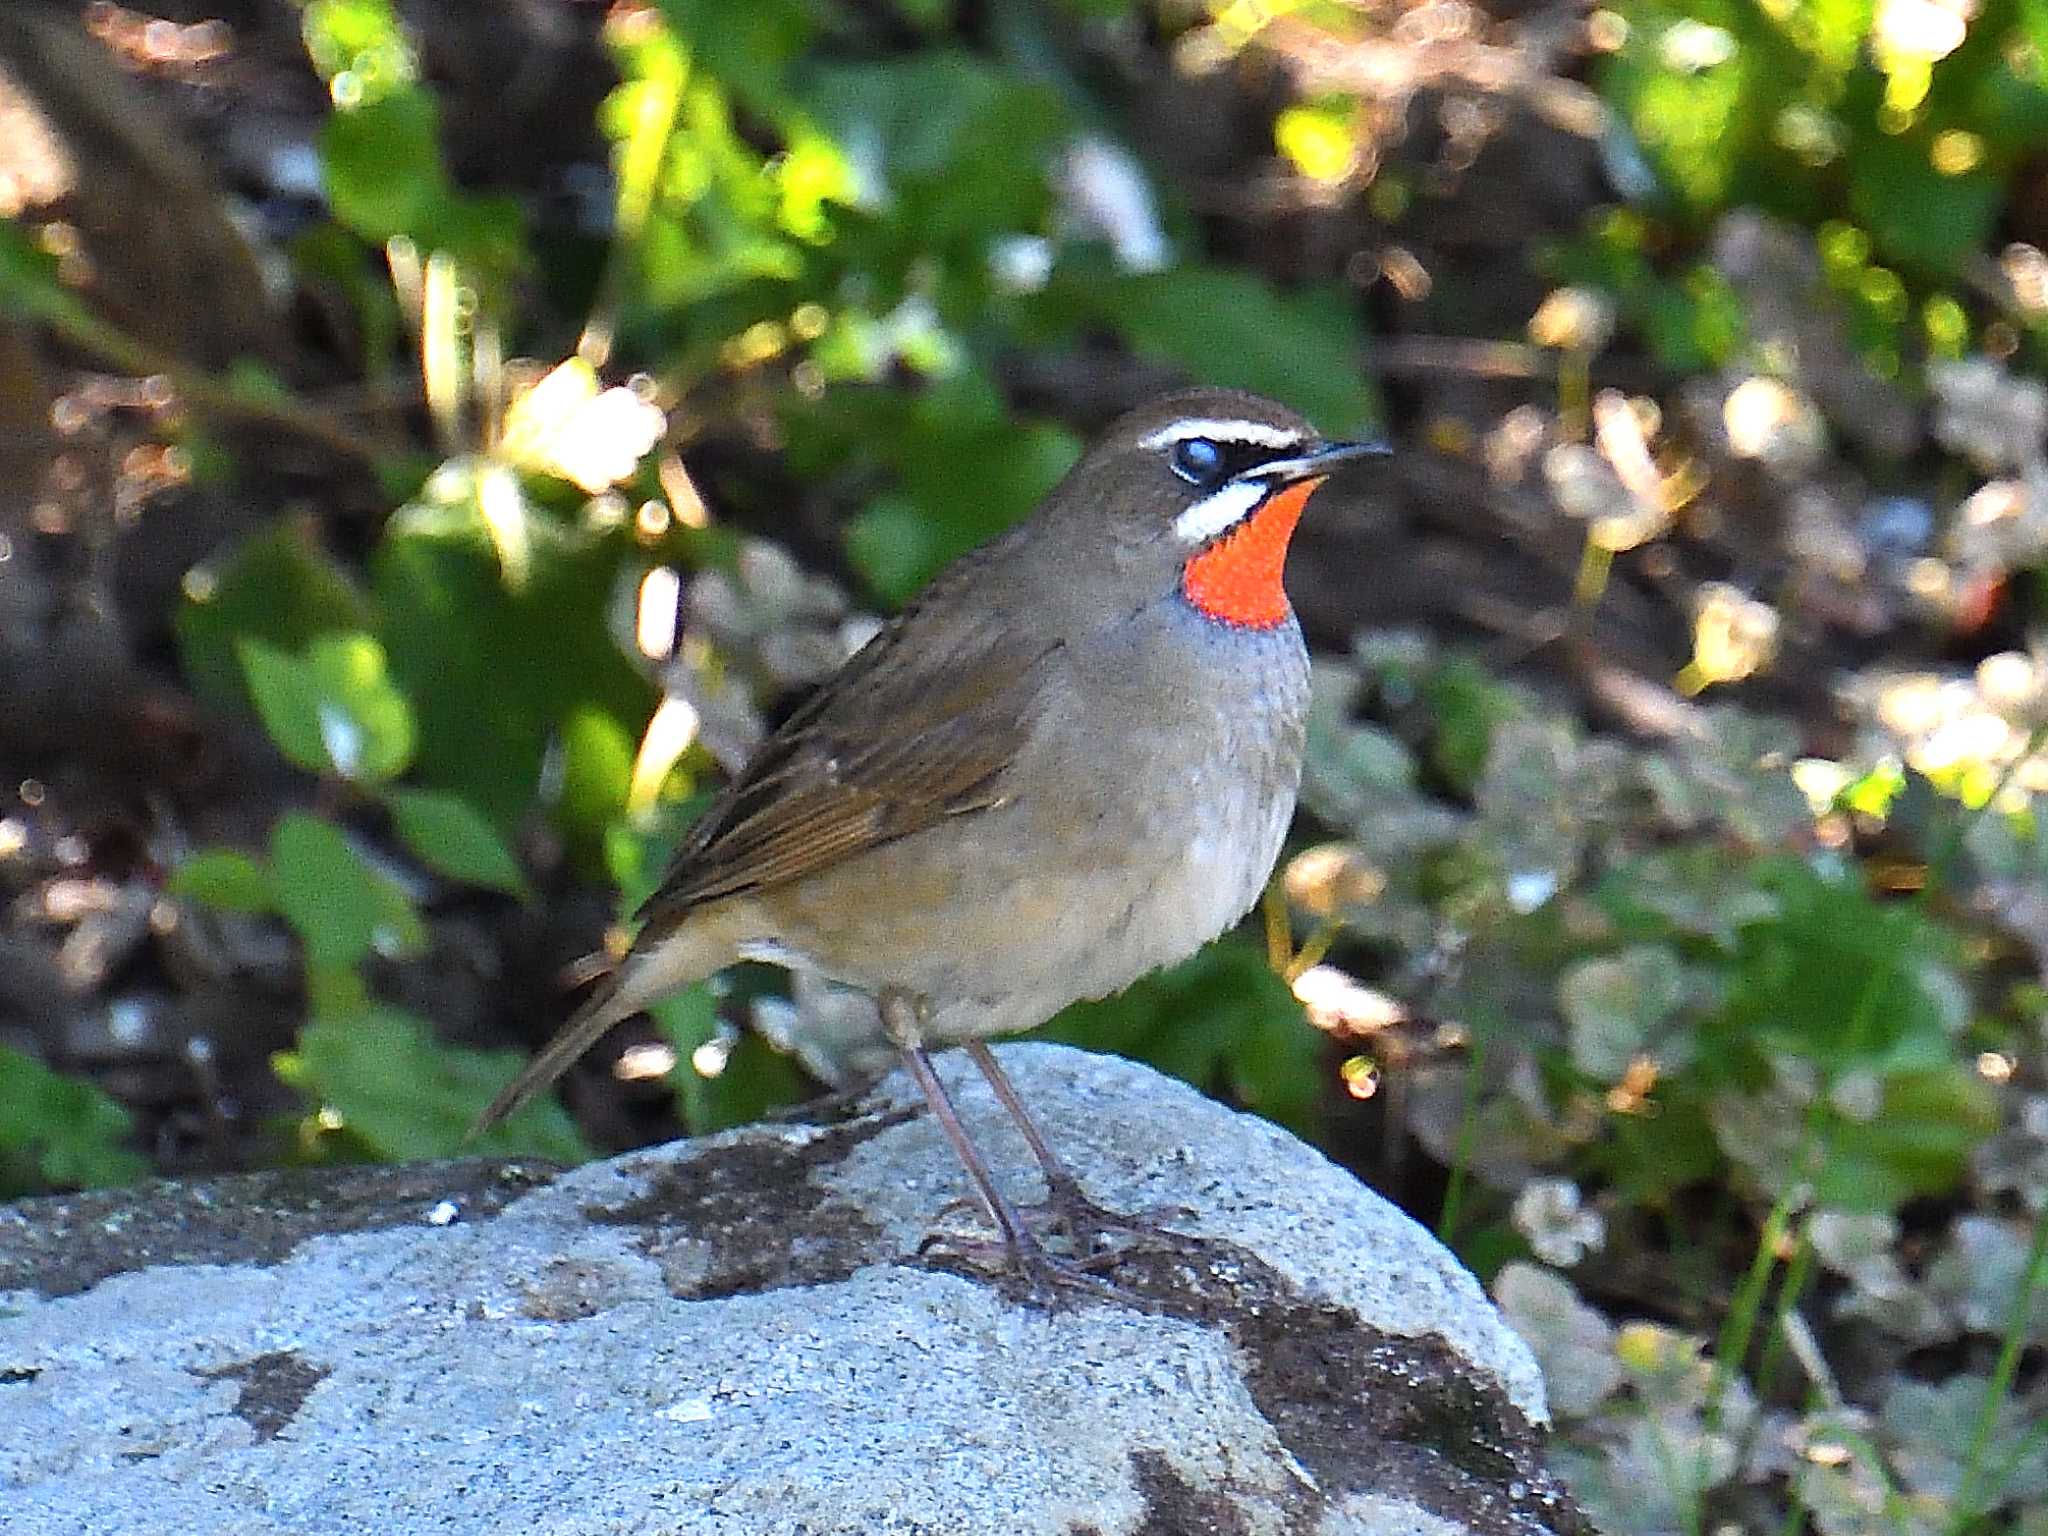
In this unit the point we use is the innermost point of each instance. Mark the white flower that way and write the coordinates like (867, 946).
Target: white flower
(1549, 1213)
(1771, 422)
(1984, 413)
(565, 425)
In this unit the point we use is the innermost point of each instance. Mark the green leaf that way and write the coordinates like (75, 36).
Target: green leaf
(915, 111)
(30, 285)
(961, 145)
(333, 709)
(225, 878)
(1466, 704)
(288, 701)
(58, 1132)
(458, 637)
(340, 907)
(277, 586)
(1230, 327)
(637, 852)
(1835, 978)
(969, 482)
(597, 772)
(350, 672)
(749, 45)
(403, 1094)
(381, 165)
(453, 839)
(1650, 1158)
(896, 545)
(1916, 214)
(1917, 1143)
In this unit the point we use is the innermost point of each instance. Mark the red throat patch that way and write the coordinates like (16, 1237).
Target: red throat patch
(1236, 580)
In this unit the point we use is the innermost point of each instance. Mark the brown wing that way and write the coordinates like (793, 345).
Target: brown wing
(886, 747)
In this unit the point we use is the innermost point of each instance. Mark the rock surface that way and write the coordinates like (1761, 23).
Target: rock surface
(736, 1335)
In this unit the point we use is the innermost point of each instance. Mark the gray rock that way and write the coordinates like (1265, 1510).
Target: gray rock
(736, 1335)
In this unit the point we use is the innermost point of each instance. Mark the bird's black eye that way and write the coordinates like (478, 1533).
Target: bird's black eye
(1197, 460)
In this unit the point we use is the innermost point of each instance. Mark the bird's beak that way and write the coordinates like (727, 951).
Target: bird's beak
(1313, 466)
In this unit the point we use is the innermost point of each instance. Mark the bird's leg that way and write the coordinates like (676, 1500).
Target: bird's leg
(993, 1201)
(1040, 1271)
(1077, 1216)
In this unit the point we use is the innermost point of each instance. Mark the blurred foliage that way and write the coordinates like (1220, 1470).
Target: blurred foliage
(1902, 134)
(59, 1132)
(1671, 1007)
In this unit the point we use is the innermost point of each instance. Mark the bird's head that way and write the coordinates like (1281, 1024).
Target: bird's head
(1204, 489)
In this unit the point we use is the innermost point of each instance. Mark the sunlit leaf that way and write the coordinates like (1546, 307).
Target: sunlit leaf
(359, 36)
(332, 709)
(404, 1095)
(222, 877)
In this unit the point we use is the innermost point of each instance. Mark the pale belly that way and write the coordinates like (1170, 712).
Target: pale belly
(999, 919)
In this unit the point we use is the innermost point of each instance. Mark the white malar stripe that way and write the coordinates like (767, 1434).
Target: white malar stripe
(1219, 511)
(1260, 433)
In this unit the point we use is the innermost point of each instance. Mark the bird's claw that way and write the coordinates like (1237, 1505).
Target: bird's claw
(1048, 1280)
(1088, 1226)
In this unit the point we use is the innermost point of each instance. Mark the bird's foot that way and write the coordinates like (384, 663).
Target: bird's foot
(1095, 1235)
(1099, 1234)
(1047, 1279)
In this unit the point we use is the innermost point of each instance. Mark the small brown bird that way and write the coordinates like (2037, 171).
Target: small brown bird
(1070, 761)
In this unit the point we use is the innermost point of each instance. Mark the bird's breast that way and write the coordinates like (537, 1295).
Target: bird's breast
(1179, 754)
(1140, 820)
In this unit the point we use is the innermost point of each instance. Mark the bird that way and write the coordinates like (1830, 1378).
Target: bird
(1069, 761)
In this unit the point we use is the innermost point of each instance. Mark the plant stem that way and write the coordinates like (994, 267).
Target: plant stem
(205, 393)
(641, 158)
(1468, 1129)
(1797, 1273)
(1596, 560)
(1314, 948)
(1739, 1328)
(2002, 1374)
(1279, 929)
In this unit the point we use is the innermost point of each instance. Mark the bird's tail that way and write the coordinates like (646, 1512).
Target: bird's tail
(641, 978)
